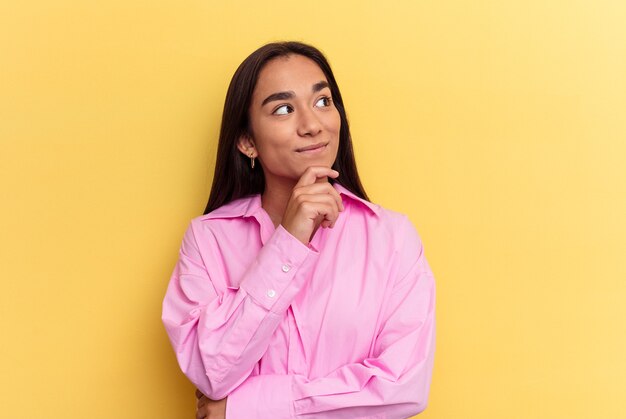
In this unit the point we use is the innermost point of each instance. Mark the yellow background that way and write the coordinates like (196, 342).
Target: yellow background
(498, 126)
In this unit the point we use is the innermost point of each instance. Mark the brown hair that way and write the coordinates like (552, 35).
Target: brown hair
(233, 177)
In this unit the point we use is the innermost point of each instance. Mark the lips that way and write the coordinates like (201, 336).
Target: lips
(312, 147)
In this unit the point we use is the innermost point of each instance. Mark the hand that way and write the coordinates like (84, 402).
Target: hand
(313, 202)
(210, 409)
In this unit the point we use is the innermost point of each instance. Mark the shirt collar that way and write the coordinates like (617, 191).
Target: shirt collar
(247, 206)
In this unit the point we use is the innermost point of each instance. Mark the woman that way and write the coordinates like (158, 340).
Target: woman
(293, 294)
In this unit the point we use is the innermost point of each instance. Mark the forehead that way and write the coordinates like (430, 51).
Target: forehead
(293, 72)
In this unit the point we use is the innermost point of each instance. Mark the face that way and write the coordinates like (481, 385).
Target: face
(294, 122)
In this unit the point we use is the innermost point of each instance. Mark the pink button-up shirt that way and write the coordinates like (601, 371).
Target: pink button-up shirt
(341, 328)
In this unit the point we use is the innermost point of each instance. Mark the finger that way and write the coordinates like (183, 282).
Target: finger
(205, 401)
(305, 199)
(312, 173)
(201, 414)
(315, 205)
(320, 188)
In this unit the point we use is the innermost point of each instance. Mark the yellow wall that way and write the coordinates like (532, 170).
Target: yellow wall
(505, 121)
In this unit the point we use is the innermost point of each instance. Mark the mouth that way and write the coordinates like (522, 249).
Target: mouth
(314, 148)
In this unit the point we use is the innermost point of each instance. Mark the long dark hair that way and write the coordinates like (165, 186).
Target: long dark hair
(233, 176)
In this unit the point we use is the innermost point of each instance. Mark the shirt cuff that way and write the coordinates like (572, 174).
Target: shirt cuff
(274, 269)
(261, 396)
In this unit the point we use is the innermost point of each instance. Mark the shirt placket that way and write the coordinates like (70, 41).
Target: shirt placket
(296, 356)
(296, 363)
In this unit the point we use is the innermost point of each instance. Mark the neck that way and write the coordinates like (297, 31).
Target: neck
(275, 198)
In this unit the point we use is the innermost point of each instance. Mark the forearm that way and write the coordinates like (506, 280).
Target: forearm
(218, 339)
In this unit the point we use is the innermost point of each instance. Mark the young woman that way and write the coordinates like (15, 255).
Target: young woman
(293, 294)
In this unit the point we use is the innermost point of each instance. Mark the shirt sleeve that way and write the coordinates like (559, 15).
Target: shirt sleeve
(218, 336)
(393, 383)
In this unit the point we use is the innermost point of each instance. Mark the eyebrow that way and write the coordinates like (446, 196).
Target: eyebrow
(290, 94)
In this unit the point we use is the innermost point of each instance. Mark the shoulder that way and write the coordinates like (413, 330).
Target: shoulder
(396, 227)
(392, 238)
(409, 250)
(374, 215)
(402, 227)
(243, 207)
(223, 220)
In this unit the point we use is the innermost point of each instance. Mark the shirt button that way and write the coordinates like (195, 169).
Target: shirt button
(271, 293)
(286, 268)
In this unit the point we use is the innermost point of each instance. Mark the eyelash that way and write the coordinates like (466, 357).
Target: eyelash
(328, 98)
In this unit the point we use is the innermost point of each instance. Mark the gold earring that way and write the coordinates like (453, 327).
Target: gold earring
(251, 160)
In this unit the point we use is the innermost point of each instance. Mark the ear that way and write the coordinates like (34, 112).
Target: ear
(245, 144)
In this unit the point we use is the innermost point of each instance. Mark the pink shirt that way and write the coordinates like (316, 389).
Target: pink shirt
(341, 328)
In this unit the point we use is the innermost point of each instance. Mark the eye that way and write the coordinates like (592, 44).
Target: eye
(325, 101)
(283, 110)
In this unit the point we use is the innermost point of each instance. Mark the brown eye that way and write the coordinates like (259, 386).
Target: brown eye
(325, 102)
(283, 110)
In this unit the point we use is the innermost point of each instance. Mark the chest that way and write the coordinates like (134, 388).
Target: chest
(334, 318)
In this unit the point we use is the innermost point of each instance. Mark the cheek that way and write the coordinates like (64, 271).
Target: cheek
(336, 121)
(269, 136)
(273, 142)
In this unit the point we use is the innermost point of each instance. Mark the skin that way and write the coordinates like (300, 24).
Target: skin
(209, 409)
(281, 127)
(297, 193)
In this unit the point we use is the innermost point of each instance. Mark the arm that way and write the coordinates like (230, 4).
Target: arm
(219, 337)
(393, 383)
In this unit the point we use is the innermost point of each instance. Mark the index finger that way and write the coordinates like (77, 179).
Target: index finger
(312, 173)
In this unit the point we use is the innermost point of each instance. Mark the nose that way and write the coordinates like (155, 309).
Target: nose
(309, 123)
